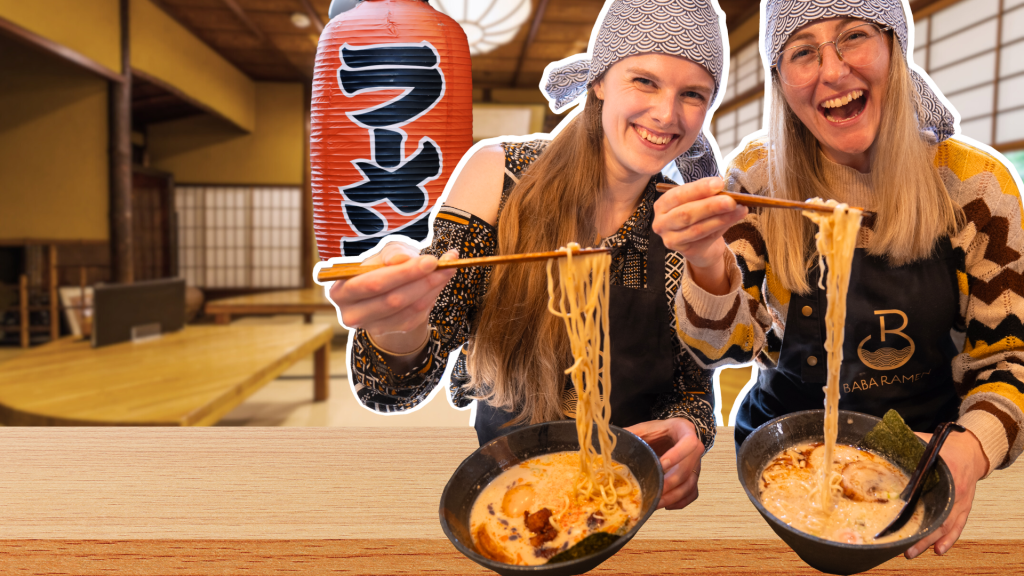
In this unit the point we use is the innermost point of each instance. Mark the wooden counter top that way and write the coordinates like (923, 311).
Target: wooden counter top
(225, 501)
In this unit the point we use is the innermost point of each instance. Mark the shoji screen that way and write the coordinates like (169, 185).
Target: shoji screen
(239, 236)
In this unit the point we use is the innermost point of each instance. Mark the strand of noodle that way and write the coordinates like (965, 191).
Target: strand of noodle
(583, 306)
(836, 241)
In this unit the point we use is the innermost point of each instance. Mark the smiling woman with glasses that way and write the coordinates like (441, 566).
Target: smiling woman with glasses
(858, 45)
(935, 309)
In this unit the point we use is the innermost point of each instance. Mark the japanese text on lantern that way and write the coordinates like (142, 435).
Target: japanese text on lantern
(389, 176)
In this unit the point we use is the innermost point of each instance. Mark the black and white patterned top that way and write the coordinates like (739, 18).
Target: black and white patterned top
(451, 320)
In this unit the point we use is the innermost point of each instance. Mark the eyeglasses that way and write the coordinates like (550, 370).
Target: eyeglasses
(857, 46)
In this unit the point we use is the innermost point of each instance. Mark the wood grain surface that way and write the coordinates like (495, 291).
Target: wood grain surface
(186, 378)
(228, 501)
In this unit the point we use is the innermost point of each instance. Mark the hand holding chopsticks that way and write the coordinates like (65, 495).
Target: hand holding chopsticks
(393, 304)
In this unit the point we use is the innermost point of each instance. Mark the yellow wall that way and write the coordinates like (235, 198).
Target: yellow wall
(164, 49)
(54, 172)
(206, 150)
(91, 28)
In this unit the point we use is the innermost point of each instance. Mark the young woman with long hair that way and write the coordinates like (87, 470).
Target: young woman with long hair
(654, 71)
(851, 121)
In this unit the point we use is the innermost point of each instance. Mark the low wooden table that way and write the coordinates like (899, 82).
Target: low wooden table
(232, 501)
(306, 302)
(192, 377)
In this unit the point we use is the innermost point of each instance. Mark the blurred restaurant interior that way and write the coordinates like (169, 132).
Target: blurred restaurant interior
(145, 140)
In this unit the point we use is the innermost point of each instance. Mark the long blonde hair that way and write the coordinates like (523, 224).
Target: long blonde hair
(518, 351)
(913, 208)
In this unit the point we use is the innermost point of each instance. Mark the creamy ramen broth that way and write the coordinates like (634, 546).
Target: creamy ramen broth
(530, 512)
(865, 486)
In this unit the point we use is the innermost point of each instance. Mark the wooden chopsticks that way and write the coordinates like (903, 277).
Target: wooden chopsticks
(352, 269)
(763, 202)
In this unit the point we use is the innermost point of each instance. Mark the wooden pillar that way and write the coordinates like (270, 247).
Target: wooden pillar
(23, 305)
(54, 307)
(308, 239)
(322, 372)
(121, 242)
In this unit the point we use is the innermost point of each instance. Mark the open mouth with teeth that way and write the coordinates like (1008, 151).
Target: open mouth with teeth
(845, 107)
(656, 138)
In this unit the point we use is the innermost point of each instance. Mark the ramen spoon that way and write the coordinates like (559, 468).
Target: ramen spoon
(912, 493)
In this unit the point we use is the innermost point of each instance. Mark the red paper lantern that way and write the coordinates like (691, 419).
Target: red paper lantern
(392, 114)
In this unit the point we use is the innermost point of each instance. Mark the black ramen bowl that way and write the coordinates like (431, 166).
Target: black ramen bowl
(763, 444)
(491, 459)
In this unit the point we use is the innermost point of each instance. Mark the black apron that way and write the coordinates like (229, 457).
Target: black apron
(897, 347)
(641, 352)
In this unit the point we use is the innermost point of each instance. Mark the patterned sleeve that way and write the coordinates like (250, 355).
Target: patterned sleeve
(691, 397)
(731, 328)
(375, 383)
(989, 372)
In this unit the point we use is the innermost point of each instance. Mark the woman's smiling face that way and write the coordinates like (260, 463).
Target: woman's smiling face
(843, 107)
(653, 109)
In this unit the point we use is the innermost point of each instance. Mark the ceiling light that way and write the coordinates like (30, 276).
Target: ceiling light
(301, 20)
(487, 24)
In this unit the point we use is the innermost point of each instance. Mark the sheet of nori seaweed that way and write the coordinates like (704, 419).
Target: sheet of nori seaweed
(895, 440)
(593, 543)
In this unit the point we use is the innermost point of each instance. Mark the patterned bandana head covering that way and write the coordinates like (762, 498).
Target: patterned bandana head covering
(783, 17)
(692, 29)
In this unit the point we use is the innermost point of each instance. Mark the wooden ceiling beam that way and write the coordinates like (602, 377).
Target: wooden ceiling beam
(538, 16)
(155, 100)
(239, 12)
(267, 41)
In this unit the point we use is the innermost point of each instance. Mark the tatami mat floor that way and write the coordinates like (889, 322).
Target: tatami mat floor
(288, 401)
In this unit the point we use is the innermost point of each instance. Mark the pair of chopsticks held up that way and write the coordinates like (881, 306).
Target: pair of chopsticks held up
(352, 269)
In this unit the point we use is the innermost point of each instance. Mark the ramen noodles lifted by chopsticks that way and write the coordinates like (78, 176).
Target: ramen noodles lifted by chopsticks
(836, 241)
(582, 303)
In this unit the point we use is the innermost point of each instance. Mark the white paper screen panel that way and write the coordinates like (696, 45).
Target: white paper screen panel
(980, 129)
(967, 74)
(969, 42)
(921, 34)
(961, 15)
(239, 236)
(962, 59)
(1010, 126)
(974, 103)
(731, 127)
(730, 90)
(750, 111)
(1011, 93)
(1013, 25)
(1011, 59)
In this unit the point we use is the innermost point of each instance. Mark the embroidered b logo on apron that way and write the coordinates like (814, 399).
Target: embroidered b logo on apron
(887, 357)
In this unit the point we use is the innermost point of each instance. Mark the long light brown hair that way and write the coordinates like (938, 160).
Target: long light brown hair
(519, 351)
(913, 207)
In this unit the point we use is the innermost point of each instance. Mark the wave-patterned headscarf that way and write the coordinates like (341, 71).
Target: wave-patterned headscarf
(692, 29)
(783, 17)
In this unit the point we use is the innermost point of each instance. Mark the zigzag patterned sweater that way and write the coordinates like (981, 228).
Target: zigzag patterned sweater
(988, 372)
